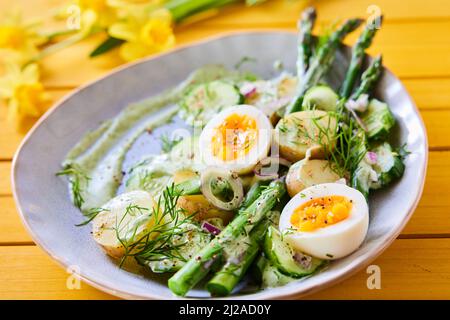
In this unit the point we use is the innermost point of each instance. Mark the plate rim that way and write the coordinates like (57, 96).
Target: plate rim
(340, 274)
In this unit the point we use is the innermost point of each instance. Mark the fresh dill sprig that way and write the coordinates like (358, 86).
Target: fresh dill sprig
(403, 151)
(158, 241)
(78, 180)
(243, 61)
(344, 144)
(167, 143)
(91, 214)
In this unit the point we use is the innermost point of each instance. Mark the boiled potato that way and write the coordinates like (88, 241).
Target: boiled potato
(306, 173)
(127, 216)
(202, 209)
(300, 131)
(183, 175)
(287, 87)
(197, 205)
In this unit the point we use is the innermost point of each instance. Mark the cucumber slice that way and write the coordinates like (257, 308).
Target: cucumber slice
(272, 277)
(188, 243)
(389, 165)
(378, 119)
(281, 255)
(320, 97)
(361, 178)
(207, 99)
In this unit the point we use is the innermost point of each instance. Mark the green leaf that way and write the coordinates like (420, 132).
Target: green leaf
(106, 46)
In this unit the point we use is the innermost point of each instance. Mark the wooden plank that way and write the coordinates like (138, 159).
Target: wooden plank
(5, 169)
(287, 12)
(436, 123)
(410, 50)
(27, 273)
(435, 203)
(434, 206)
(404, 45)
(410, 269)
(429, 94)
(11, 227)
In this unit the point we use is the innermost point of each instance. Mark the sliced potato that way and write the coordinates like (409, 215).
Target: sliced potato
(306, 173)
(128, 217)
(300, 131)
(183, 175)
(197, 205)
(287, 87)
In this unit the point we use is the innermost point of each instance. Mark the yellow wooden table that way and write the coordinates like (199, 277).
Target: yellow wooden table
(415, 42)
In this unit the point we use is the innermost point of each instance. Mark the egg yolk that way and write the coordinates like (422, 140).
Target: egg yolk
(321, 212)
(234, 137)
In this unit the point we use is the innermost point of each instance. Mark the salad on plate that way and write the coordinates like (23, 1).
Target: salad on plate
(255, 181)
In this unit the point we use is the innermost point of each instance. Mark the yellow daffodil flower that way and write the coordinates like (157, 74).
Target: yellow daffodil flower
(105, 14)
(146, 36)
(23, 92)
(18, 40)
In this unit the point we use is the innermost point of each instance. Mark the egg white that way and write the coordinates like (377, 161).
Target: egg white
(259, 150)
(333, 241)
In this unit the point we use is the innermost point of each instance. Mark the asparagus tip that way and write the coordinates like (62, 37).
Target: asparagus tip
(378, 59)
(309, 13)
(375, 23)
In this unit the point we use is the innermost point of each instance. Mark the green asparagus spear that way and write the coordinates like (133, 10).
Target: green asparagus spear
(305, 40)
(321, 62)
(369, 78)
(245, 250)
(188, 187)
(253, 193)
(358, 54)
(199, 265)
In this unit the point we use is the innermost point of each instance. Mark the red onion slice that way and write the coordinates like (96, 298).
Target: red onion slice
(210, 228)
(371, 157)
(248, 90)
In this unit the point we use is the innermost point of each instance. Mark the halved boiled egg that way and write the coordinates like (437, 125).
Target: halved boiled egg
(327, 221)
(236, 139)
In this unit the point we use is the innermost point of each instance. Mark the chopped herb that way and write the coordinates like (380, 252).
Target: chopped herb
(167, 144)
(157, 242)
(78, 181)
(91, 214)
(402, 151)
(243, 61)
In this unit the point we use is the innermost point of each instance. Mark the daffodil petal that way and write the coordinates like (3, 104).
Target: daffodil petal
(130, 51)
(124, 31)
(162, 14)
(30, 73)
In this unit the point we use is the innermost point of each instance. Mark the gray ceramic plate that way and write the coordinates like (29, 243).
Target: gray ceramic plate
(43, 199)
